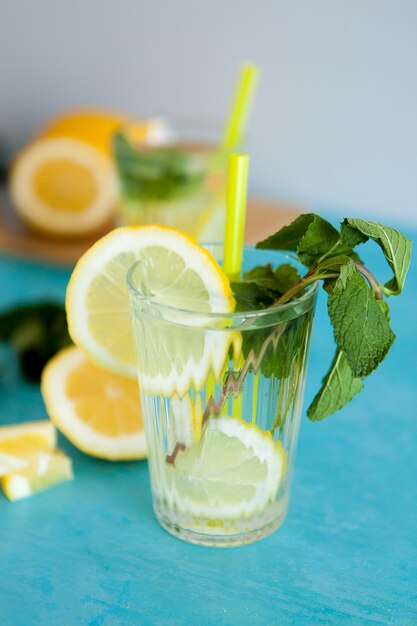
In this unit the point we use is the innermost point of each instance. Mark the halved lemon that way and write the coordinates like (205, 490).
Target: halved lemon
(97, 411)
(233, 471)
(63, 186)
(175, 271)
(29, 460)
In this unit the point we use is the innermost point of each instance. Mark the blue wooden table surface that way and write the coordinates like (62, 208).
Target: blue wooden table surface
(91, 553)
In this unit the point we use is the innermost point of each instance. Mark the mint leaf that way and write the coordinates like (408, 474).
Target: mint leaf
(319, 240)
(384, 308)
(288, 237)
(285, 277)
(396, 247)
(351, 236)
(311, 237)
(280, 349)
(263, 276)
(330, 266)
(277, 281)
(262, 286)
(361, 328)
(249, 296)
(338, 388)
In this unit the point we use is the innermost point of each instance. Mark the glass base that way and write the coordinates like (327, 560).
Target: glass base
(224, 537)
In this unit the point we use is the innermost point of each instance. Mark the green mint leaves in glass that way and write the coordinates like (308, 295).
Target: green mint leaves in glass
(221, 452)
(357, 304)
(221, 449)
(177, 180)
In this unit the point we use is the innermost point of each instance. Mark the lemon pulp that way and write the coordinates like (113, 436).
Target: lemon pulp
(65, 185)
(98, 411)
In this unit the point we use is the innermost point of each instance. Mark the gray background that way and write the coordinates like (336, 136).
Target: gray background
(334, 124)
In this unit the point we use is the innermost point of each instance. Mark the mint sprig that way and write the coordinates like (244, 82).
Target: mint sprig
(357, 310)
(262, 286)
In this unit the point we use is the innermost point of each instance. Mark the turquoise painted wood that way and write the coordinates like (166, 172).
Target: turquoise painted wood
(91, 553)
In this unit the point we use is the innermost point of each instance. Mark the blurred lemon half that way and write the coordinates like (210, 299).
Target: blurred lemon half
(63, 182)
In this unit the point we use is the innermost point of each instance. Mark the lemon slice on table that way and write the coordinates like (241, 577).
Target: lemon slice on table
(29, 460)
(97, 411)
(233, 471)
(21, 443)
(175, 271)
(48, 469)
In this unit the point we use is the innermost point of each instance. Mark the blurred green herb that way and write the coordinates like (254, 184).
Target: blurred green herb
(156, 173)
(259, 288)
(36, 331)
(262, 286)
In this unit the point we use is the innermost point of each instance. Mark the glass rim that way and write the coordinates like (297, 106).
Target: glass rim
(304, 302)
(179, 127)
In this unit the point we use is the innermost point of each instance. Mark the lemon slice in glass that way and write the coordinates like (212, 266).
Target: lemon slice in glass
(232, 472)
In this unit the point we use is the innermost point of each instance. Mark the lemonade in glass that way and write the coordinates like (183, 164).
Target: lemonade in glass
(221, 354)
(174, 174)
(221, 396)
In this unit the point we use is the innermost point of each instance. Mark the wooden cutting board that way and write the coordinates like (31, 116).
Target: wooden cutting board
(264, 217)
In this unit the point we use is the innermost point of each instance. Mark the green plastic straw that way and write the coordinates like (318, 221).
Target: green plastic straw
(236, 124)
(237, 182)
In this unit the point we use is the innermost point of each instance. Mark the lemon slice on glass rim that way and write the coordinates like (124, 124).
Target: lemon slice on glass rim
(177, 270)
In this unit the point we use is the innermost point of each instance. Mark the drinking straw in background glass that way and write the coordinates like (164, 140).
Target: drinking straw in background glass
(237, 182)
(235, 128)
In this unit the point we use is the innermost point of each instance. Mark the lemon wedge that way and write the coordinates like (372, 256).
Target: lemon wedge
(48, 469)
(29, 460)
(20, 443)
